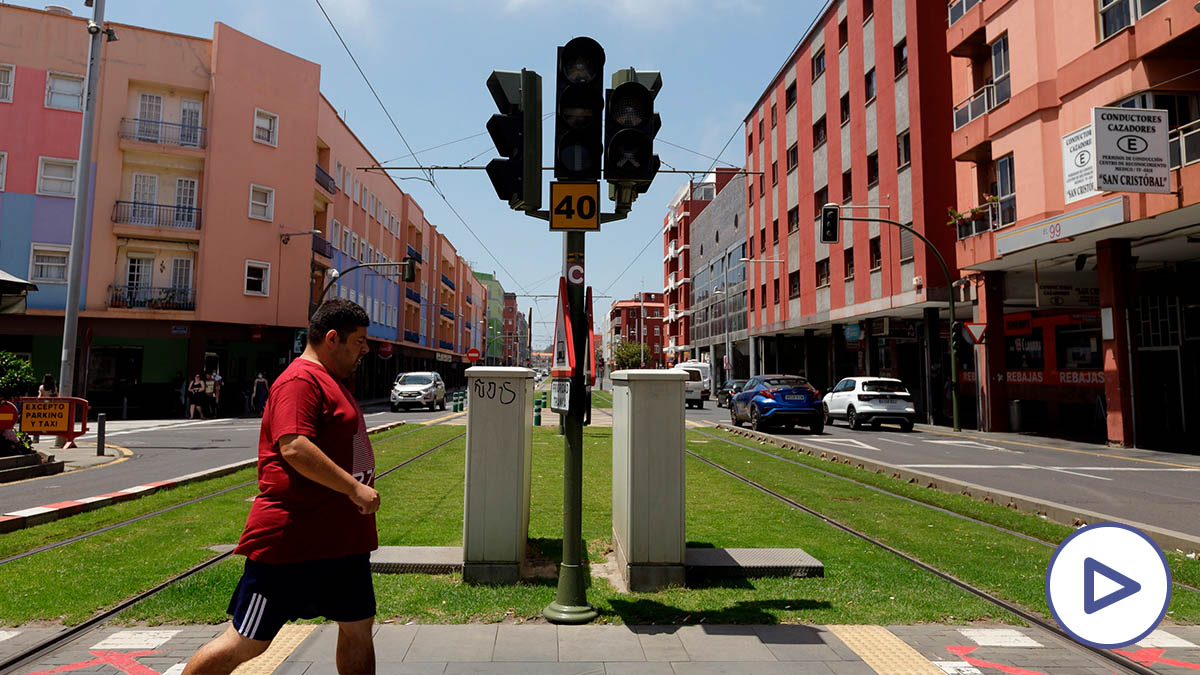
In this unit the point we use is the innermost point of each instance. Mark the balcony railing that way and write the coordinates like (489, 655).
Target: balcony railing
(412, 253)
(164, 133)
(321, 246)
(469, 302)
(412, 295)
(446, 345)
(157, 215)
(446, 280)
(1184, 144)
(326, 181)
(974, 106)
(447, 313)
(412, 336)
(959, 8)
(152, 297)
(991, 217)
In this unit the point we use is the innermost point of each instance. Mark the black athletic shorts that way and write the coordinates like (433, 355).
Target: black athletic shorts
(268, 596)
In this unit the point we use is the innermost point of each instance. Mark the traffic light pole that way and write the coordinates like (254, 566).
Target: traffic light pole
(570, 603)
(950, 289)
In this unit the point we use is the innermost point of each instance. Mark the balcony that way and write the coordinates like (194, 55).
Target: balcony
(958, 8)
(412, 336)
(990, 217)
(469, 300)
(446, 345)
(321, 246)
(157, 215)
(974, 106)
(152, 297)
(447, 313)
(412, 295)
(446, 280)
(326, 181)
(164, 133)
(1184, 145)
(412, 253)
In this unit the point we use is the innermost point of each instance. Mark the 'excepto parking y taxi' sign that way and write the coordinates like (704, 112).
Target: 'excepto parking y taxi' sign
(45, 417)
(1132, 152)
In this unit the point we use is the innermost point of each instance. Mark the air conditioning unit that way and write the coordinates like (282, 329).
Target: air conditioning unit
(918, 281)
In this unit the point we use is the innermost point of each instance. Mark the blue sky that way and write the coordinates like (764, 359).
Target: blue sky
(429, 61)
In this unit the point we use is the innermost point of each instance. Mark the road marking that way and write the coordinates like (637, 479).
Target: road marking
(136, 639)
(1161, 638)
(999, 637)
(176, 669)
(1056, 469)
(963, 651)
(957, 668)
(443, 418)
(974, 445)
(883, 651)
(7, 634)
(892, 440)
(1074, 450)
(846, 442)
(164, 427)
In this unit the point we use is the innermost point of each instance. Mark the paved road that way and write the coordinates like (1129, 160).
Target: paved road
(1156, 488)
(164, 449)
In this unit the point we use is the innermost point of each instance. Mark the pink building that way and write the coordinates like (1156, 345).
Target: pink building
(1089, 296)
(219, 206)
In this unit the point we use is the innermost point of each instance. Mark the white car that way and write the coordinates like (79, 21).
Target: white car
(705, 382)
(870, 400)
(419, 389)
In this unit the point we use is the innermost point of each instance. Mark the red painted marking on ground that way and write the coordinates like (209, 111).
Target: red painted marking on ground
(62, 505)
(980, 663)
(113, 495)
(161, 483)
(1148, 657)
(8, 518)
(124, 662)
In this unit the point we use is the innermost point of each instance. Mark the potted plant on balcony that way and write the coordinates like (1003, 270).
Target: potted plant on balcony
(972, 214)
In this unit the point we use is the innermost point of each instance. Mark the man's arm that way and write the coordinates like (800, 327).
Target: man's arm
(304, 456)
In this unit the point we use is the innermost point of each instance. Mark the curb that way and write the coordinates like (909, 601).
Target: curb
(1063, 514)
(37, 515)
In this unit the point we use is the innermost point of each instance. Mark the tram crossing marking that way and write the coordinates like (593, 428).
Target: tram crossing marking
(974, 445)
(176, 669)
(1072, 470)
(999, 637)
(125, 662)
(1012, 670)
(1161, 638)
(136, 639)
(846, 442)
(957, 668)
(892, 440)
(8, 634)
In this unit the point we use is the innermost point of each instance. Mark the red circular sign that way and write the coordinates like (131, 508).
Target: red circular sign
(8, 415)
(473, 355)
(385, 350)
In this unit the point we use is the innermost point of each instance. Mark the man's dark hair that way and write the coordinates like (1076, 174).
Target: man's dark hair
(337, 314)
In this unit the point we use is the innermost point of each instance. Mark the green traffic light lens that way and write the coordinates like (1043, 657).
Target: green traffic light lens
(628, 110)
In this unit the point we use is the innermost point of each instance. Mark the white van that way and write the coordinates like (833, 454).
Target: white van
(699, 385)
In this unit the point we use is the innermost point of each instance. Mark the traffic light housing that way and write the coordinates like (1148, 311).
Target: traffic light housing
(630, 125)
(517, 133)
(830, 225)
(962, 346)
(579, 105)
(408, 270)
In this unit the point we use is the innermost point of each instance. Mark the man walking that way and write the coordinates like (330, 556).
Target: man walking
(311, 529)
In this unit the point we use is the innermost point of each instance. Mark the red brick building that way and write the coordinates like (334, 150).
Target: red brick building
(641, 318)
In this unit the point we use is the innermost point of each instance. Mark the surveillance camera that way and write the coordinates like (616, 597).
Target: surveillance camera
(93, 27)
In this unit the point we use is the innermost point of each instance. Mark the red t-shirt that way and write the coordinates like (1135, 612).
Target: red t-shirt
(294, 519)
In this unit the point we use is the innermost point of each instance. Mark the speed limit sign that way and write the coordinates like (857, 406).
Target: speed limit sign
(574, 206)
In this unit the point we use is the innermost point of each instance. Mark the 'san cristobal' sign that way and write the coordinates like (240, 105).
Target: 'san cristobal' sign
(1131, 150)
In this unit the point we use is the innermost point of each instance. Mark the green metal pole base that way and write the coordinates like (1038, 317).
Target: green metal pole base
(571, 605)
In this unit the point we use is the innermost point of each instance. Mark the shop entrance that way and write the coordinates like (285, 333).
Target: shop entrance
(1160, 401)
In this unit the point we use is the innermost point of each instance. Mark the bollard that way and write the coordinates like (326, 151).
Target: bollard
(100, 420)
(537, 412)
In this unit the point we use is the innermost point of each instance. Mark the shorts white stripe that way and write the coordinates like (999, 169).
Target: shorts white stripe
(262, 606)
(246, 629)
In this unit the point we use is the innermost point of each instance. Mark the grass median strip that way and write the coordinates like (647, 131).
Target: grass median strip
(1006, 565)
(601, 398)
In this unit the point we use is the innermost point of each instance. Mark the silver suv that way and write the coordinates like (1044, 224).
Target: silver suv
(413, 390)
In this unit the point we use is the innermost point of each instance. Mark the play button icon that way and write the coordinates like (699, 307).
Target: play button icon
(1108, 585)
(1092, 567)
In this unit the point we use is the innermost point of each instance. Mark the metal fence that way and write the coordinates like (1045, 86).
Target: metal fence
(326, 181)
(164, 133)
(157, 215)
(152, 297)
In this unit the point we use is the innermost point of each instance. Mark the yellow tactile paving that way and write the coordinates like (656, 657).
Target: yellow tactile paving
(883, 651)
(289, 637)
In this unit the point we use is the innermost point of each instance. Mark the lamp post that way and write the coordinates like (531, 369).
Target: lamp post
(753, 341)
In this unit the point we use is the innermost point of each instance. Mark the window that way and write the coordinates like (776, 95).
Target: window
(1079, 347)
(900, 57)
(1024, 352)
(793, 219)
(793, 158)
(847, 187)
(869, 85)
(876, 253)
(775, 287)
(149, 126)
(185, 203)
(868, 9)
(262, 202)
(750, 196)
(64, 92)
(848, 263)
(354, 246)
(789, 96)
(843, 34)
(354, 193)
(56, 177)
(794, 284)
(761, 135)
(1115, 15)
(181, 273)
(1000, 79)
(762, 240)
(6, 83)
(773, 117)
(774, 173)
(903, 149)
(819, 133)
(762, 296)
(762, 185)
(49, 264)
(191, 113)
(1006, 189)
(873, 169)
(818, 64)
(821, 198)
(335, 234)
(3, 168)
(266, 127)
(258, 278)
(338, 175)
(822, 273)
(845, 108)
(775, 232)
(750, 143)
(906, 244)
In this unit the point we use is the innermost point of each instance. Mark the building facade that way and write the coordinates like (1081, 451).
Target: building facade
(640, 319)
(218, 209)
(1092, 313)
(855, 116)
(688, 202)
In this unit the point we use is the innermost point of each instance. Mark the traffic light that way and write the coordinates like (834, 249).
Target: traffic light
(962, 346)
(630, 125)
(830, 229)
(579, 107)
(408, 270)
(517, 133)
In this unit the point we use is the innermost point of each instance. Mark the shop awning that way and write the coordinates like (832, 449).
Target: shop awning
(10, 284)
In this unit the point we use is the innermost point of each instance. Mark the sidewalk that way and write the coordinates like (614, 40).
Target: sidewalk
(306, 649)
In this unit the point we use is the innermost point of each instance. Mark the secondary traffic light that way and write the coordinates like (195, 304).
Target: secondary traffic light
(517, 133)
(579, 107)
(630, 125)
(830, 227)
(959, 342)
(408, 270)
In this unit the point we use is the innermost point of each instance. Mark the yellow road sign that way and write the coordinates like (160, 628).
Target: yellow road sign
(574, 206)
(46, 417)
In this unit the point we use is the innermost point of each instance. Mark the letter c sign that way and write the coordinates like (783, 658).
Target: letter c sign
(575, 274)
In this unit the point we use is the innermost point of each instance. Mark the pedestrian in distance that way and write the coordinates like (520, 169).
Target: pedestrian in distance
(47, 389)
(196, 398)
(261, 388)
(311, 530)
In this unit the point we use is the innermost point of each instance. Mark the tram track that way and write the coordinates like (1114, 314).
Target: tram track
(27, 656)
(1040, 623)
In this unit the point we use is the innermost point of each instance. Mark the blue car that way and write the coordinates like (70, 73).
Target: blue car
(778, 400)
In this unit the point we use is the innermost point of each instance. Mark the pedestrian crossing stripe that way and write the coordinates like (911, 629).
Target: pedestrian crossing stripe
(1161, 638)
(999, 637)
(8, 634)
(136, 639)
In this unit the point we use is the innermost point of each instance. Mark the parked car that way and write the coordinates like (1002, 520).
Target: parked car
(419, 389)
(727, 390)
(778, 400)
(704, 389)
(693, 388)
(870, 400)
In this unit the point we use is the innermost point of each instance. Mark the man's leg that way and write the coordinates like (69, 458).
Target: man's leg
(356, 647)
(227, 652)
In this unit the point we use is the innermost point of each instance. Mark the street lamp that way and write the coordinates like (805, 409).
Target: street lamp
(753, 343)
